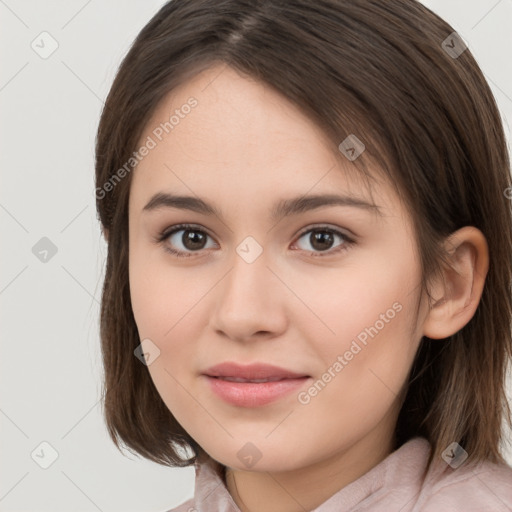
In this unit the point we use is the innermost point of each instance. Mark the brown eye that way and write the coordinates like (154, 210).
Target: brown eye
(184, 240)
(322, 239)
(193, 240)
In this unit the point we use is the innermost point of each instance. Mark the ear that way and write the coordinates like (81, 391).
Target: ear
(105, 233)
(459, 289)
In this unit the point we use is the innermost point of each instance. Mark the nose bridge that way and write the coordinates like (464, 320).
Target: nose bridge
(248, 297)
(249, 278)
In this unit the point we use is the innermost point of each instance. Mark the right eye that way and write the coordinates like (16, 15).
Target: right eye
(189, 236)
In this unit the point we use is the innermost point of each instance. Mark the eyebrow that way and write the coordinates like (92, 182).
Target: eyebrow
(283, 208)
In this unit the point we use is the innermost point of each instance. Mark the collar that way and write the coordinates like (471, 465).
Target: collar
(405, 464)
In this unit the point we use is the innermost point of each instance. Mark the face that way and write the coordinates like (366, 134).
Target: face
(327, 291)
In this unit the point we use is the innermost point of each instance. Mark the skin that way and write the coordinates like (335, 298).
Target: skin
(243, 148)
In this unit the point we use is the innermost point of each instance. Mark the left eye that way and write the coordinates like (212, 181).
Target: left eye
(193, 240)
(320, 238)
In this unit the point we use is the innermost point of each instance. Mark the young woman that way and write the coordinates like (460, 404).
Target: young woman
(308, 284)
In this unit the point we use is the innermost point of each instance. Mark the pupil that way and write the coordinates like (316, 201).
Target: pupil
(321, 240)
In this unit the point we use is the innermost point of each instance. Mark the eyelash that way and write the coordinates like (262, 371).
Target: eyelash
(166, 233)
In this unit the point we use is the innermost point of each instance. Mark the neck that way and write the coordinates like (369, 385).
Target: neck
(307, 487)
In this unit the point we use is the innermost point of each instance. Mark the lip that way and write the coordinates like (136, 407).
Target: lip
(252, 394)
(251, 371)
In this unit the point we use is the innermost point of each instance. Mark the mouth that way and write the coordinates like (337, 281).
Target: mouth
(253, 385)
(256, 381)
(256, 372)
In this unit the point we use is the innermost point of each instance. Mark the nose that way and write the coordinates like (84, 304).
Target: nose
(250, 301)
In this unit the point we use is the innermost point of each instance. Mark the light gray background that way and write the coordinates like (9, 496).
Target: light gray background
(50, 369)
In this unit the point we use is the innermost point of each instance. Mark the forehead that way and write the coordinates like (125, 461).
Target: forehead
(241, 141)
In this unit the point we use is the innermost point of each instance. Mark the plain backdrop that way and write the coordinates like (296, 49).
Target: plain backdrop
(50, 368)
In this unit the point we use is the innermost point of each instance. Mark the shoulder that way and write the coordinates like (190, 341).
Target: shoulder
(485, 486)
(187, 506)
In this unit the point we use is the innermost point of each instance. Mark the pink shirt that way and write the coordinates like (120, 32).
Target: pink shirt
(394, 485)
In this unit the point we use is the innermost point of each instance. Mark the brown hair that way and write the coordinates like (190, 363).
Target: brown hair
(379, 70)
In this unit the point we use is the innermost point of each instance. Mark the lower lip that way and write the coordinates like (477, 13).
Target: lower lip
(253, 394)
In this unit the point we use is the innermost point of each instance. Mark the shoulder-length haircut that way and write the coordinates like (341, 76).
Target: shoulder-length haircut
(378, 69)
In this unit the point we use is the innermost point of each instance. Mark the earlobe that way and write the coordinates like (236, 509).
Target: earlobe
(459, 290)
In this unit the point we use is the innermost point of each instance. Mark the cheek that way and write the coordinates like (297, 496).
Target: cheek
(361, 381)
(164, 308)
(162, 297)
(351, 302)
(168, 306)
(368, 346)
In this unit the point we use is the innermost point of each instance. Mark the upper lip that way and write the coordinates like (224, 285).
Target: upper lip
(251, 371)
